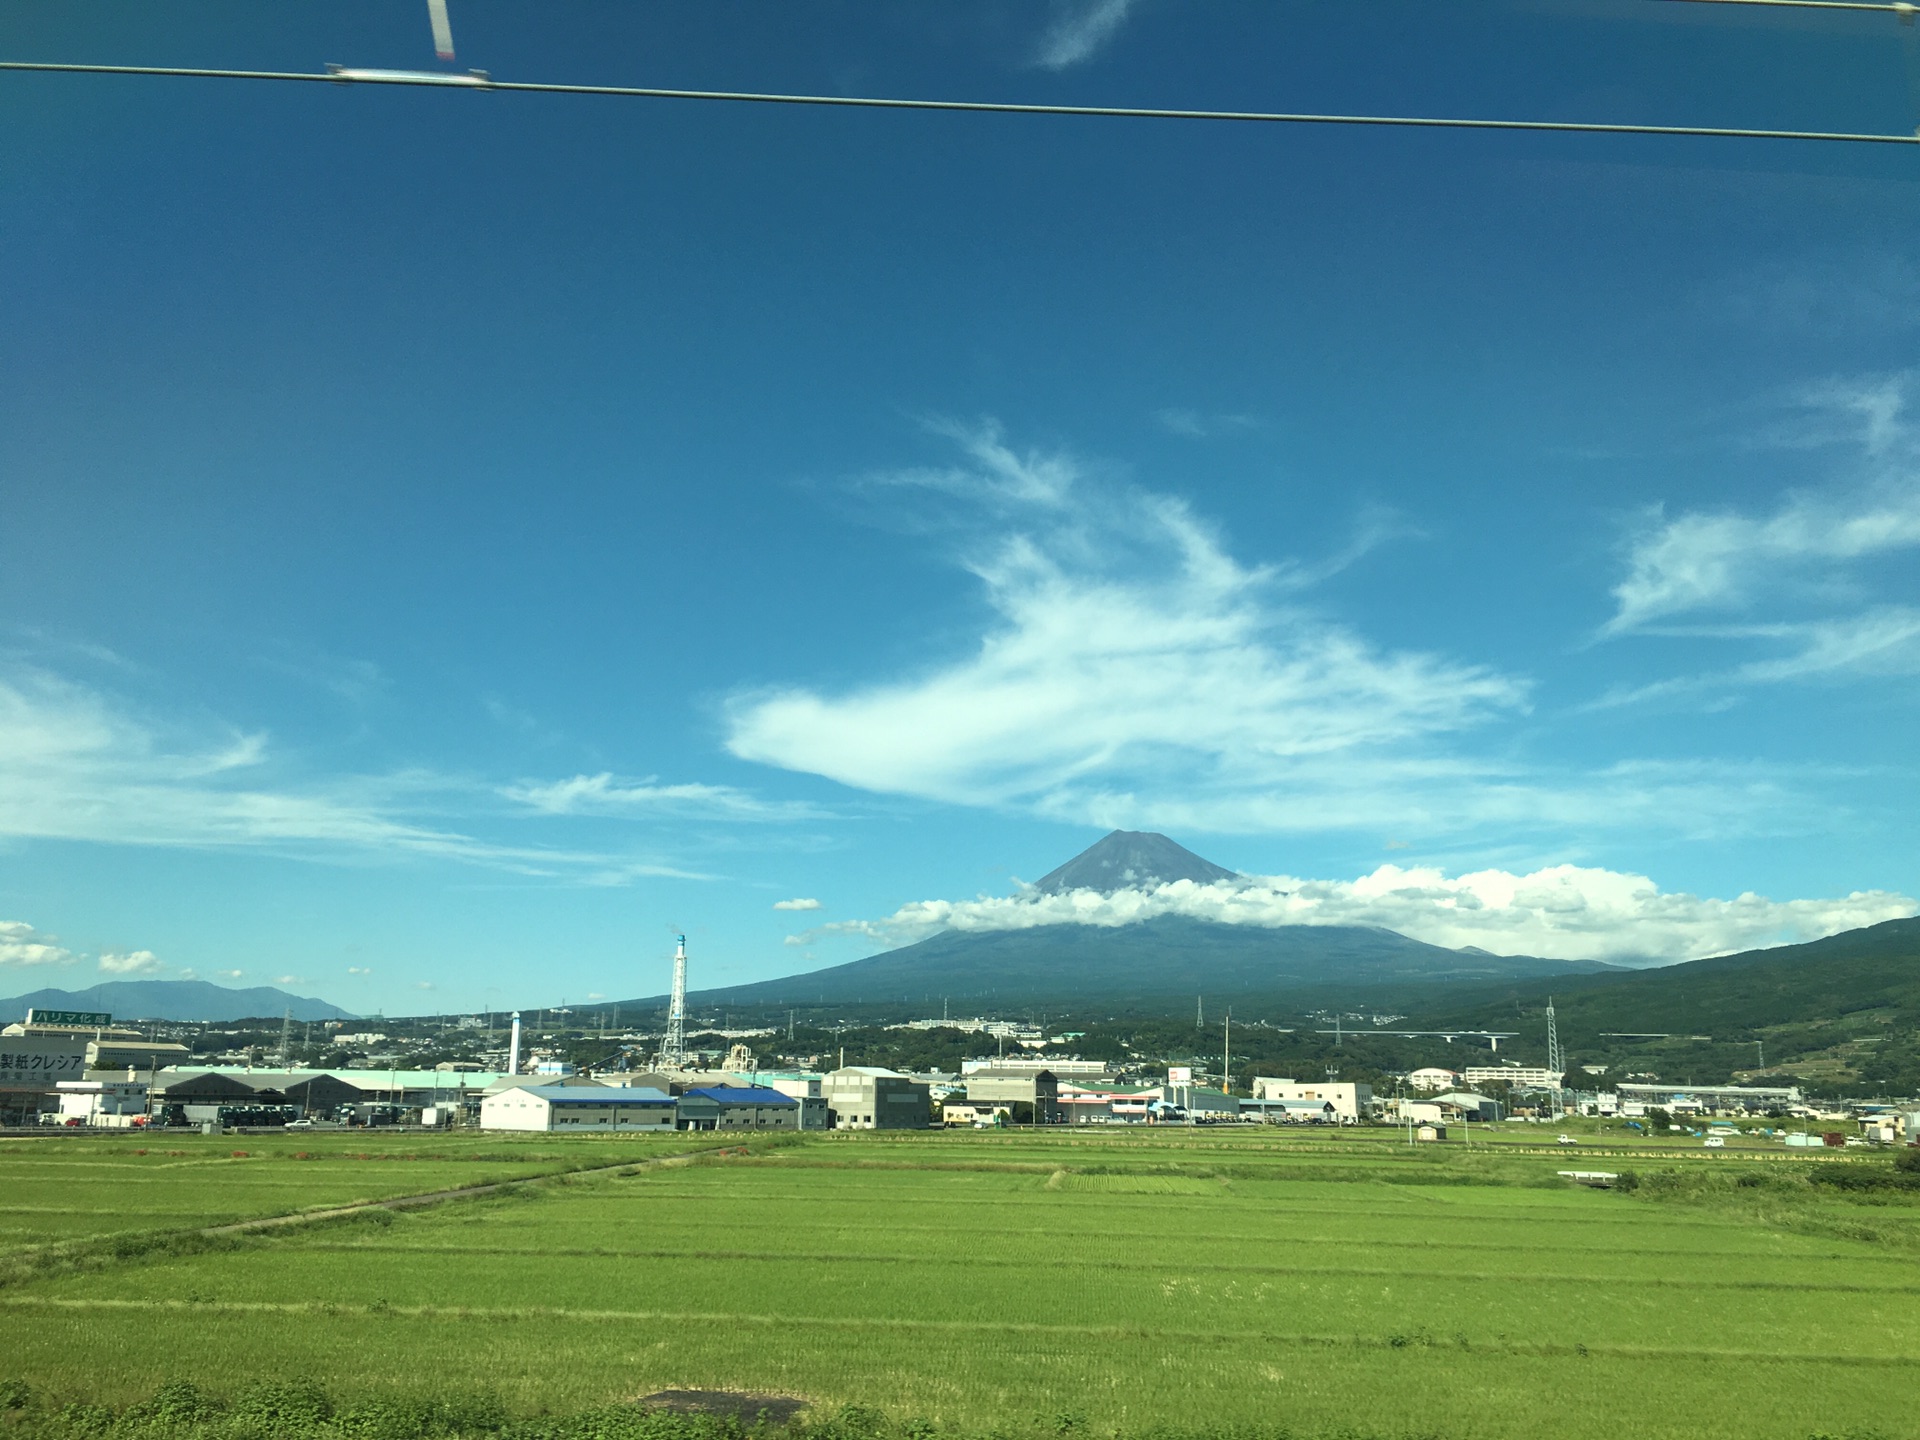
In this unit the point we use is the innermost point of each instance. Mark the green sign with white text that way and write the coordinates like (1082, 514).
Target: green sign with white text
(95, 1019)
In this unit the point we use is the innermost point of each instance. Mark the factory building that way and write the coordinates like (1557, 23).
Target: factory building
(1039, 1089)
(1635, 1098)
(31, 1068)
(1351, 1102)
(1087, 1105)
(738, 1107)
(870, 1097)
(576, 1108)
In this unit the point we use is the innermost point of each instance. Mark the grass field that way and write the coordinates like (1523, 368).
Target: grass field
(1011, 1283)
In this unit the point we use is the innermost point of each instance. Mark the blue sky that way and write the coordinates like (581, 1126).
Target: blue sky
(453, 540)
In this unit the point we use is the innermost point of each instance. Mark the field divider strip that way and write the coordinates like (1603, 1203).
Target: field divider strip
(468, 1192)
(1302, 1340)
(1180, 1271)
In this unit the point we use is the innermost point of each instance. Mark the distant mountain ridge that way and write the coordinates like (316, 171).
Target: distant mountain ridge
(1155, 962)
(1169, 958)
(1864, 972)
(174, 1000)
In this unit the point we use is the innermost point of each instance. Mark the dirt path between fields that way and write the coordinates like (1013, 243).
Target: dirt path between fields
(459, 1192)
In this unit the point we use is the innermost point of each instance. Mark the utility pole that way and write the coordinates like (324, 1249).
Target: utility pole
(1226, 1056)
(1199, 1012)
(1556, 1062)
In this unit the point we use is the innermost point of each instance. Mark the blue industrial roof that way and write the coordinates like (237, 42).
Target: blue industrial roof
(596, 1094)
(743, 1095)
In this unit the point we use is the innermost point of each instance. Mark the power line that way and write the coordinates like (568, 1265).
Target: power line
(479, 80)
(1904, 10)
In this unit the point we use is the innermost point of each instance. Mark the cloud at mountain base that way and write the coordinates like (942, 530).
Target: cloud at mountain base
(1566, 912)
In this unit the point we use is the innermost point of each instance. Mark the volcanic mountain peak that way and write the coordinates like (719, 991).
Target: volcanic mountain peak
(1131, 860)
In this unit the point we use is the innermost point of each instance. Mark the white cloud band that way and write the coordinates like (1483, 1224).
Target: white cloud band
(1565, 912)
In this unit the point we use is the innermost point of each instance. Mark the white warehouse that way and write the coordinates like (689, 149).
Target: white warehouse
(1351, 1102)
(574, 1108)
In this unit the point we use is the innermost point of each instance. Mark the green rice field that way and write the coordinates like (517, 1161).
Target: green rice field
(996, 1283)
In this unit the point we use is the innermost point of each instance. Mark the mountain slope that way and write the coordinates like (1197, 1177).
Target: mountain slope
(173, 1000)
(1131, 860)
(1155, 960)
(1876, 969)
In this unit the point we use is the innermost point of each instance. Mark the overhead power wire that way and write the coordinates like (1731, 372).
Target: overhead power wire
(1902, 8)
(479, 80)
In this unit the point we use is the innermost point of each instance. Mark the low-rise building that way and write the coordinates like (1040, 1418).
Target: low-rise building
(1037, 1089)
(134, 1053)
(1432, 1077)
(738, 1107)
(1292, 1112)
(1709, 1097)
(1466, 1105)
(111, 1103)
(871, 1097)
(1086, 1072)
(1197, 1102)
(1351, 1101)
(1085, 1105)
(957, 1114)
(1521, 1077)
(577, 1108)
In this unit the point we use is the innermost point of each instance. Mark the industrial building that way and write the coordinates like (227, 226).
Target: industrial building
(871, 1097)
(1086, 1072)
(1037, 1089)
(1715, 1098)
(738, 1107)
(1197, 1102)
(109, 1103)
(1083, 1105)
(576, 1108)
(31, 1068)
(1292, 1112)
(1351, 1102)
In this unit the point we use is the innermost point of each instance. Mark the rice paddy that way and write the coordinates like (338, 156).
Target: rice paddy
(1010, 1283)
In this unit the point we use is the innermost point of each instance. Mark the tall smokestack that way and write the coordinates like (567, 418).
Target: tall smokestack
(673, 1045)
(513, 1047)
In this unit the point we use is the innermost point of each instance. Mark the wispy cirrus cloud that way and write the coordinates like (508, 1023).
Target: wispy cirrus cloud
(1078, 30)
(75, 764)
(1202, 425)
(1133, 665)
(1803, 563)
(1563, 912)
(604, 794)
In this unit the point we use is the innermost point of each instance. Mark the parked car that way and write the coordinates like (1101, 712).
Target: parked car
(1714, 1142)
